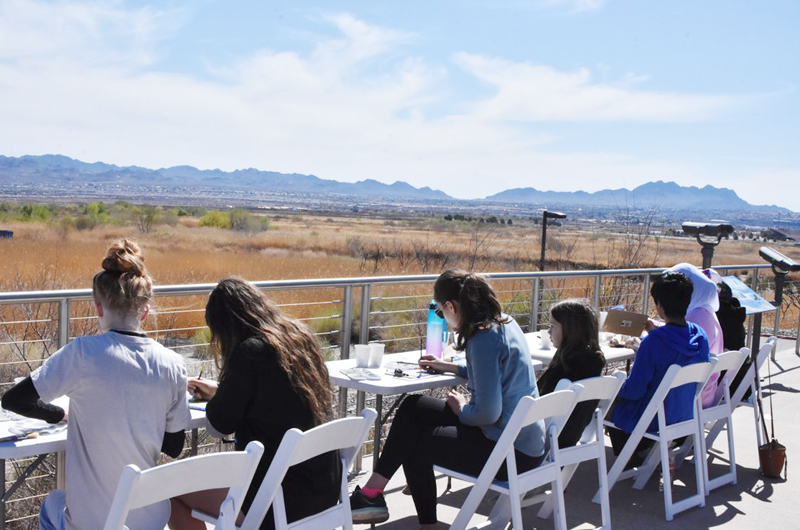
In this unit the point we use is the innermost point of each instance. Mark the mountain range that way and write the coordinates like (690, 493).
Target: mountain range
(58, 169)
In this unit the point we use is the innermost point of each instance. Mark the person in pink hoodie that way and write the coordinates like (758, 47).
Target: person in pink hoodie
(703, 312)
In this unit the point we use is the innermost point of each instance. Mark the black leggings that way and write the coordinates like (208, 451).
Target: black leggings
(426, 432)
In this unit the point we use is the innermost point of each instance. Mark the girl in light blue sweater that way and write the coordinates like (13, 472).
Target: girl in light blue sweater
(458, 433)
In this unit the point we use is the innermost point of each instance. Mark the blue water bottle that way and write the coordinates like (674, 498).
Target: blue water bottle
(437, 332)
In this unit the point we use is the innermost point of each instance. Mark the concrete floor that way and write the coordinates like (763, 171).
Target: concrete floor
(754, 502)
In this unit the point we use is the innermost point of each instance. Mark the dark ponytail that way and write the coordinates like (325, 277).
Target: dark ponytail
(478, 305)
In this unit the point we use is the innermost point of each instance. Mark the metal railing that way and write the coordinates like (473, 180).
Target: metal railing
(340, 311)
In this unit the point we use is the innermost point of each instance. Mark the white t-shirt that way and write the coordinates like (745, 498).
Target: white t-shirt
(125, 393)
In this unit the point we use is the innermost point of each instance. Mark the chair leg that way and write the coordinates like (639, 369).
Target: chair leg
(547, 506)
(667, 480)
(560, 515)
(605, 505)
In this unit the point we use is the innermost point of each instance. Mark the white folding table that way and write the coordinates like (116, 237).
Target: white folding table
(389, 385)
(611, 353)
(54, 443)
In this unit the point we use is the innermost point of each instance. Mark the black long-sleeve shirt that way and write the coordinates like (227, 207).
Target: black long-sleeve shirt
(24, 399)
(575, 366)
(256, 400)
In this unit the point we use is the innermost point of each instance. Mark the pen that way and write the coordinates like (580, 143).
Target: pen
(201, 372)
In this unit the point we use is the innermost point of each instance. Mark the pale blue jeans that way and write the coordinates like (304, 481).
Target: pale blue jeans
(51, 515)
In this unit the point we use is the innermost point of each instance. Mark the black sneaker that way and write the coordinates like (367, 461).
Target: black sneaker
(366, 510)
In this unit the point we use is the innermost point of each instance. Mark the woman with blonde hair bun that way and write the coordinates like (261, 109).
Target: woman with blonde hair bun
(127, 399)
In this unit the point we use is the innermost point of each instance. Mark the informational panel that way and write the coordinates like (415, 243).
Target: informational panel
(748, 298)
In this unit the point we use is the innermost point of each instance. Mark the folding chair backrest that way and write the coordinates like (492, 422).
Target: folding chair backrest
(693, 373)
(603, 389)
(345, 435)
(137, 488)
(749, 379)
(730, 362)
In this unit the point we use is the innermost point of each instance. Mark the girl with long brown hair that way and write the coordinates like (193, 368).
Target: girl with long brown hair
(457, 433)
(272, 378)
(574, 332)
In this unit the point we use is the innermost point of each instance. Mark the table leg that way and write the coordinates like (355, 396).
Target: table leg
(358, 462)
(193, 450)
(61, 470)
(376, 445)
(3, 500)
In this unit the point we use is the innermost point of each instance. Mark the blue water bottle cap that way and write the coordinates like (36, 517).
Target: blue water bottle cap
(432, 305)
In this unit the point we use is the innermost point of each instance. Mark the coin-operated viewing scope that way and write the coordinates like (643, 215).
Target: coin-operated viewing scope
(779, 261)
(781, 266)
(713, 230)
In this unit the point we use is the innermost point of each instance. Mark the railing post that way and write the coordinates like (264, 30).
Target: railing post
(63, 339)
(646, 294)
(752, 328)
(63, 322)
(363, 338)
(534, 326)
(344, 341)
(596, 295)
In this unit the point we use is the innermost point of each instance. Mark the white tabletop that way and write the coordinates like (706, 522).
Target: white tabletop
(546, 356)
(53, 443)
(388, 384)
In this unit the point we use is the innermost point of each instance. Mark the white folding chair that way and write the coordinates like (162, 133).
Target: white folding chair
(591, 446)
(675, 376)
(345, 435)
(748, 382)
(233, 470)
(721, 413)
(554, 408)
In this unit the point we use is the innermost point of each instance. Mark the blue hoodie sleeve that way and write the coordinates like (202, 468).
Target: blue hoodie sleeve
(486, 403)
(635, 386)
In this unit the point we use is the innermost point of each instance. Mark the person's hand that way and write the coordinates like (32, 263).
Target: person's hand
(633, 343)
(456, 401)
(202, 389)
(66, 413)
(434, 364)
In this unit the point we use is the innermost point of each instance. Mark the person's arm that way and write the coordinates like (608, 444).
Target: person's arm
(226, 410)
(486, 403)
(642, 371)
(172, 445)
(24, 399)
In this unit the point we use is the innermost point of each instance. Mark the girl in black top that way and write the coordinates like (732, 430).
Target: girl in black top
(272, 378)
(574, 332)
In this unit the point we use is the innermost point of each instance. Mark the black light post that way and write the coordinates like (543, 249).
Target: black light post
(545, 216)
(713, 230)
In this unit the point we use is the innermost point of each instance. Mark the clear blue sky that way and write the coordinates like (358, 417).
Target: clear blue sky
(470, 97)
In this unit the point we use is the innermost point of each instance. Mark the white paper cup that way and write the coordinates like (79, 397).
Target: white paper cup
(544, 339)
(376, 354)
(362, 355)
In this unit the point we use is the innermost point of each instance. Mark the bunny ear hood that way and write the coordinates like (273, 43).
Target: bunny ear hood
(704, 294)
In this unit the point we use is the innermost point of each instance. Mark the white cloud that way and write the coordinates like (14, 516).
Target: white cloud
(531, 92)
(574, 6)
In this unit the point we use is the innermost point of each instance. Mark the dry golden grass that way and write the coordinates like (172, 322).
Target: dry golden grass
(41, 257)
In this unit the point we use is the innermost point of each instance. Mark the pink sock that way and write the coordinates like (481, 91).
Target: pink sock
(371, 492)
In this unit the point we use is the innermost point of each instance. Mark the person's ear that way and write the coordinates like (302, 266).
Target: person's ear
(99, 308)
(145, 312)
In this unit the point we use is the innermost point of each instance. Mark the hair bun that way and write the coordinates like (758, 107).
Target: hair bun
(124, 256)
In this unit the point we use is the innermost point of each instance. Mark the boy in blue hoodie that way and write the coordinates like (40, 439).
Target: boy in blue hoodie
(676, 342)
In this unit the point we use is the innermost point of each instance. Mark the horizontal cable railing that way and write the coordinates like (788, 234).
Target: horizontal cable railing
(340, 312)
